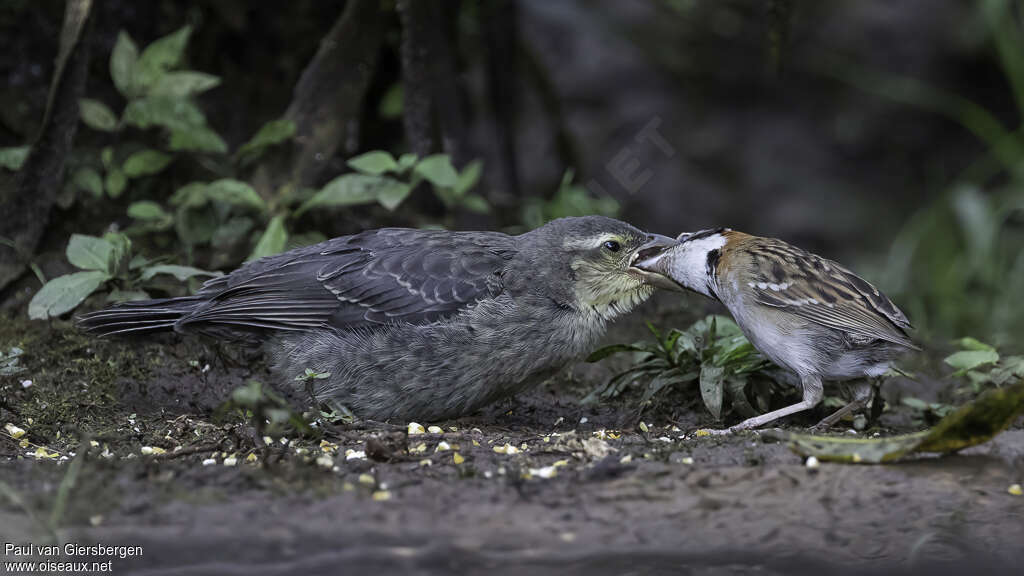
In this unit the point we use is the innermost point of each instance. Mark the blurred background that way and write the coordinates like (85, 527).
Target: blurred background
(197, 134)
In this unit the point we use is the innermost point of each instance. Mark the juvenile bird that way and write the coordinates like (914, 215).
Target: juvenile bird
(805, 313)
(423, 324)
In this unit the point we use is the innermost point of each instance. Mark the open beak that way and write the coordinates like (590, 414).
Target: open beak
(646, 256)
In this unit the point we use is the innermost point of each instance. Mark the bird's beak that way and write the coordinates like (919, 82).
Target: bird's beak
(646, 261)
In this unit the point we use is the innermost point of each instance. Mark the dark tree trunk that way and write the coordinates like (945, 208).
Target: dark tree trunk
(434, 105)
(328, 98)
(25, 210)
(499, 23)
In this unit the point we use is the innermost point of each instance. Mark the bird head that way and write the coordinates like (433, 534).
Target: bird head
(692, 263)
(592, 258)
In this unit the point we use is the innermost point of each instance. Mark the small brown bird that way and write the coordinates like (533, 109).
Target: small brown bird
(805, 313)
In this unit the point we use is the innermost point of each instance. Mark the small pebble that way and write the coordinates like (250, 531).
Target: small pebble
(812, 463)
(1015, 489)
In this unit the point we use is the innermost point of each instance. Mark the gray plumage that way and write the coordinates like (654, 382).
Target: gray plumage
(417, 323)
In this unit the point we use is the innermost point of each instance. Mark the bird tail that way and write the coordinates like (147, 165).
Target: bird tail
(140, 316)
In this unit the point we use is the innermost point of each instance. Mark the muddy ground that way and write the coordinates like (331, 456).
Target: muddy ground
(582, 490)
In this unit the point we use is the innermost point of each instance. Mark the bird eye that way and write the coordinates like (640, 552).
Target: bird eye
(612, 245)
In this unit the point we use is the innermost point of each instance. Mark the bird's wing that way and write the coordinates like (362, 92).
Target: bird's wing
(377, 277)
(822, 291)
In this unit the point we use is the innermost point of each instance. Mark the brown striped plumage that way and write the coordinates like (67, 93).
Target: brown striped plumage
(804, 312)
(817, 289)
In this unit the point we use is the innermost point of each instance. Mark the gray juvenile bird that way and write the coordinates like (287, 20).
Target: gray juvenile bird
(423, 324)
(805, 313)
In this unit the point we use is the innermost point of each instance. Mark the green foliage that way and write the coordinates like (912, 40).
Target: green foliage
(983, 366)
(270, 134)
(969, 425)
(157, 96)
(268, 412)
(10, 362)
(102, 261)
(957, 265)
(712, 352)
(227, 214)
(570, 200)
(13, 158)
(380, 178)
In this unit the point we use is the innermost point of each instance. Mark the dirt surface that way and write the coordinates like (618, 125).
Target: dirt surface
(571, 489)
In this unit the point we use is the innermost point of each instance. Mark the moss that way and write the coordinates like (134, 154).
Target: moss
(75, 381)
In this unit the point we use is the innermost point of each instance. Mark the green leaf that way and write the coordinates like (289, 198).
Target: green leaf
(161, 56)
(392, 193)
(179, 114)
(271, 133)
(602, 353)
(148, 211)
(123, 61)
(107, 157)
(89, 252)
(969, 425)
(667, 378)
(96, 115)
(376, 163)
(345, 190)
(273, 240)
(120, 257)
(89, 180)
(469, 177)
(64, 293)
(915, 403)
(231, 232)
(738, 395)
(182, 273)
(967, 360)
(184, 84)
(392, 103)
(195, 225)
(197, 139)
(13, 158)
(191, 195)
(438, 170)
(476, 203)
(115, 183)
(711, 387)
(406, 161)
(969, 343)
(235, 193)
(118, 296)
(145, 163)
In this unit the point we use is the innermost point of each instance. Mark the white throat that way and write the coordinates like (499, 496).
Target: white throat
(687, 263)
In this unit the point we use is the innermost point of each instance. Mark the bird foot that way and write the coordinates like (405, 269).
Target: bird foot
(714, 432)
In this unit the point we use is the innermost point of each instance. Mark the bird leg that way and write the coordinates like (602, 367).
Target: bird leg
(863, 391)
(813, 394)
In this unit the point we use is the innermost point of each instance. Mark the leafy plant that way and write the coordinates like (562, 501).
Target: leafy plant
(10, 362)
(102, 262)
(267, 411)
(381, 178)
(957, 263)
(712, 352)
(983, 366)
(569, 200)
